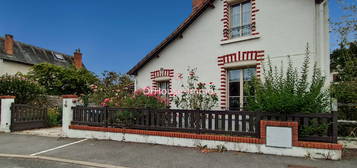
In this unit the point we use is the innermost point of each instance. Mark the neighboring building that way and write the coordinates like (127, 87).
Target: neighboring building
(229, 40)
(20, 57)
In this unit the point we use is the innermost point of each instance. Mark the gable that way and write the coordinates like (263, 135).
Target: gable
(177, 33)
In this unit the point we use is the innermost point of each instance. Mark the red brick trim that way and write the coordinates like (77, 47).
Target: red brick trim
(296, 142)
(226, 19)
(239, 56)
(170, 134)
(253, 17)
(7, 97)
(262, 140)
(293, 125)
(69, 96)
(163, 73)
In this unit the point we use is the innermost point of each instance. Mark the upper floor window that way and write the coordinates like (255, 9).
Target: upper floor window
(241, 24)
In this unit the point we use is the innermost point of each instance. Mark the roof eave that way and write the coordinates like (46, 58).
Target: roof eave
(194, 15)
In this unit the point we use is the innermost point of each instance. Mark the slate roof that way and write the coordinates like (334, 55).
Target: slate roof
(177, 33)
(31, 55)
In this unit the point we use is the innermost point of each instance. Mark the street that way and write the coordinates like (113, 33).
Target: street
(135, 155)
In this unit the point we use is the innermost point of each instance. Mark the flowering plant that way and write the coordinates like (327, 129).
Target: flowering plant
(145, 98)
(110, 90)
(196, 95)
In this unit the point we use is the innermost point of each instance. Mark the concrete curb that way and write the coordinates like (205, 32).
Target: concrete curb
(77, 162)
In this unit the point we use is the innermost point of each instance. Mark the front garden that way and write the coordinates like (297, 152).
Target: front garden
(282, 95)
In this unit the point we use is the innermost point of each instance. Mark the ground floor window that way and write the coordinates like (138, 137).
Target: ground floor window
(164, 89)
(238, 79)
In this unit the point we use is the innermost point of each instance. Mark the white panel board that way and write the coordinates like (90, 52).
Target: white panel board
(279, 137)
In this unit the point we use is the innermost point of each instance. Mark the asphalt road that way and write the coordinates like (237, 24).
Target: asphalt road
(135, 155)
(33, 163)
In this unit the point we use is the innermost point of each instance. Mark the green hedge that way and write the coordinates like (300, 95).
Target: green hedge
(25, 90)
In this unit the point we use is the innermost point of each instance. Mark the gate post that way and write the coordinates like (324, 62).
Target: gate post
(69, 101)
(5, 112)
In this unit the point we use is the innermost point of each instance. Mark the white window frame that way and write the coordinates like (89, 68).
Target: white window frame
(167, 95)
(241, 85)
(240, 3)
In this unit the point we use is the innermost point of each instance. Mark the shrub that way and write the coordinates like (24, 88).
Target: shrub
(152, 100)
(54, 116)
(289, 93)
(139, 100)
(58, 80)
(196, 95)
(25, 90)
(113, 86)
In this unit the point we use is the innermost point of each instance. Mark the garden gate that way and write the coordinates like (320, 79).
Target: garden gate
(25, 117)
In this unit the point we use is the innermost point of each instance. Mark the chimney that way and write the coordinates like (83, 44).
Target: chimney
(9, 44)
(78, 59)
(197, 3)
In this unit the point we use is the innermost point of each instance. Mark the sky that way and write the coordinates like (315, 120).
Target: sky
(113, 35)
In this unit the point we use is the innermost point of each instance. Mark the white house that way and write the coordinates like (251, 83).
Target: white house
(17, 57)
(229, 40)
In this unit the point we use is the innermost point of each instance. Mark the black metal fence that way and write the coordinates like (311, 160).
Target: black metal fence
(312, 127)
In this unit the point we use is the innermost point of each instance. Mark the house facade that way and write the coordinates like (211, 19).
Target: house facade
(228, 41)
(17, 57)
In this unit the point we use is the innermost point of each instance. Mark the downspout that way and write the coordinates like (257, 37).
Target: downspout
(322, 40)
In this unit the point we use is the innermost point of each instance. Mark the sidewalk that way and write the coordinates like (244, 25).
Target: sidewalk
(150, 156)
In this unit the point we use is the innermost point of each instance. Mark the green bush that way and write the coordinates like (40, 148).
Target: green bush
(289, 92)
(139, 100)
(111, 86)
(25, 90)
(58, 80)
(314, 128)
(54, 116)
(144, 101)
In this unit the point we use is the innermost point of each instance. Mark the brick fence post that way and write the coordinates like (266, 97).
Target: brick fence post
(6, 102)
(69, 101)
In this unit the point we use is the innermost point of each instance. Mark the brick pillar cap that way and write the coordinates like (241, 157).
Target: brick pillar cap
(7, 97)
(69, 96)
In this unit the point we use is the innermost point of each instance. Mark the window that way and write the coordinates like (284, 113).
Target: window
(241, 19)
(238, 79)
(164, 89)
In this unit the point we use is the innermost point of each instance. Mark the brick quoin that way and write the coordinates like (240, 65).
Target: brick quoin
(162, 73)
(239, 56)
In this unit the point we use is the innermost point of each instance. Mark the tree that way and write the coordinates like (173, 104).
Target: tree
(58, 80)
(346, 25)
(344, 89)
(344, 61)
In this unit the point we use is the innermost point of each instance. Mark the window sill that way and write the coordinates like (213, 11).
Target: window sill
(162, 79)
(239, 39)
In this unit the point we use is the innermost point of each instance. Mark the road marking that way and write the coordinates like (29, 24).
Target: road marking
(77, 162)
(59, 147)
